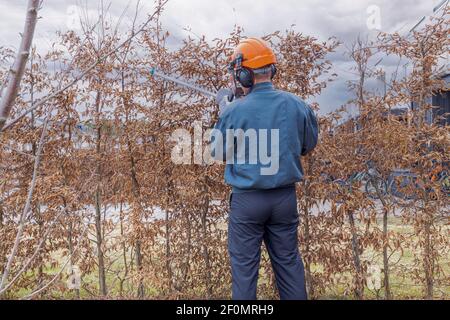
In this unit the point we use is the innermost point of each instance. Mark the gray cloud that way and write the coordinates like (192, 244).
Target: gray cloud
(345, 19)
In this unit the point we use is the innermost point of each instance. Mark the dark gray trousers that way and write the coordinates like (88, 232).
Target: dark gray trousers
(269, 215)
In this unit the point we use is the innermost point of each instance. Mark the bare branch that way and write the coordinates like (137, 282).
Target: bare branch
(26, 210)
(16, 72)
(84, 73)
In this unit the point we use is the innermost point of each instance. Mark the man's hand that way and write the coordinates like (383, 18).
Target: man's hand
(223, 98)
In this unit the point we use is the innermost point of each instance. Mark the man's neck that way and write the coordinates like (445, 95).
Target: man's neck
(257, 85)
(262, 81)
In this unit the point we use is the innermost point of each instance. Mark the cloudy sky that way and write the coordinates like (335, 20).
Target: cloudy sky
(344, 19)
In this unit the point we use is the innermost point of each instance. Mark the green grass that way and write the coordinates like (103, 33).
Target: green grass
(403, 286)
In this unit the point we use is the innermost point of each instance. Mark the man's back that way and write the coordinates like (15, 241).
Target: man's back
(262, 137)
(285, 128)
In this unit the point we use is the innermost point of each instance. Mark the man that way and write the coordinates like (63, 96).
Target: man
(263, 203)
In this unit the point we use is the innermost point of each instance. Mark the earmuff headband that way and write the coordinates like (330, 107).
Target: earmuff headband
(246, 76)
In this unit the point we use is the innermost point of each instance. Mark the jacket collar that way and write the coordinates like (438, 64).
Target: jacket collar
(262, 86)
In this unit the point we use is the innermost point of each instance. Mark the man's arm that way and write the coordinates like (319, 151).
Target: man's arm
(224, 97)
(311, 131)
(218, 137)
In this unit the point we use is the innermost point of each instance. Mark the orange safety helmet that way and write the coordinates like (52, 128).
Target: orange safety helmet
(251, 56)
(256, 53)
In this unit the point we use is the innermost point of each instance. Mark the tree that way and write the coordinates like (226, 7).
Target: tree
(12, 83)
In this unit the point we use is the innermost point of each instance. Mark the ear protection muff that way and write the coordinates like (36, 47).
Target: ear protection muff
(273, 70)
(246, 76)
(241, 74)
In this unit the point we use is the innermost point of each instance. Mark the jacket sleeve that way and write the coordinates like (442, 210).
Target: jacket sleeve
(310, 131)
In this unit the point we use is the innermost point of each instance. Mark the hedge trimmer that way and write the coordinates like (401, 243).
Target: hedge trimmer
(182, 83)
(223, 96)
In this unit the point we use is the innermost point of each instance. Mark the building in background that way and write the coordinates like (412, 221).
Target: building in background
(439, 100)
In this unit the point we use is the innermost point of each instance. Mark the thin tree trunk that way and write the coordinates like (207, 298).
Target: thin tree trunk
(99, 242)
(141, 289)
(70, 235)
(71, 250)
(26, 209)
(387, 286)
(204, 243)
(16, 72)
(135, 185)
(124, 253)
(188, 251)
(136, 194)
(40, 222)
(40, 260)
(98, 214)
(428, 260)
(167, 238)
(308, 274)
(359, 291)
(2, 258)
(169, 269)
(307, 234)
